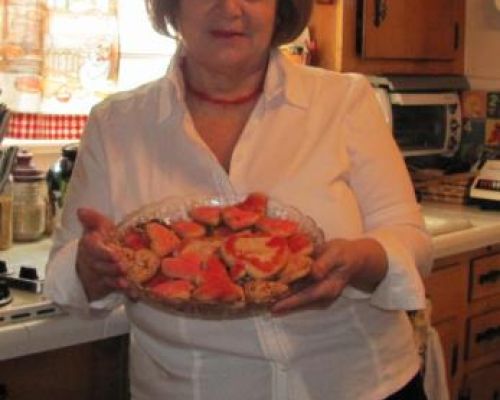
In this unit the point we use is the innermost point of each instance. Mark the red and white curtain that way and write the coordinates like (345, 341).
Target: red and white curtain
(46, 126)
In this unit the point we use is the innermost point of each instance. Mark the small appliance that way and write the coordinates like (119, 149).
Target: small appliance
(424, 112)
(485, 189)
(21, 284)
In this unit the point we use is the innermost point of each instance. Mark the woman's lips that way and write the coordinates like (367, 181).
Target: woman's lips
(224, 34)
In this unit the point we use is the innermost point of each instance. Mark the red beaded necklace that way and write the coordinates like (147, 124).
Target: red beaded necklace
(208, 98)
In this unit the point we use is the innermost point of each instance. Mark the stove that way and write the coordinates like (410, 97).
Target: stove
(22, 274)
(26, 306)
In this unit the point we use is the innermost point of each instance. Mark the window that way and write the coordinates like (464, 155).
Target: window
(54, 69)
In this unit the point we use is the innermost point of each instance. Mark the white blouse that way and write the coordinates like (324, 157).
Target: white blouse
(316, 140)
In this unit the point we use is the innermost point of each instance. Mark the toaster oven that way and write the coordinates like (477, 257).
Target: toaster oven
(426, 118)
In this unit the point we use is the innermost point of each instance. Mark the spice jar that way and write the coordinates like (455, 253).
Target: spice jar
(29, 200)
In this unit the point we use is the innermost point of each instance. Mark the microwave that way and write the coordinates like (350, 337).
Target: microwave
(424, 119)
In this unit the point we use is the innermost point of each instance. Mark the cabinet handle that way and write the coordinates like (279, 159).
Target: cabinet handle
(496, 395)
(489, 277)
(489, 334)
(456, 43)
(380, 12)
(454, 360)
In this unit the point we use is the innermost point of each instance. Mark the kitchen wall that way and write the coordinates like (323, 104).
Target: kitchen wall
(481, 105)
(482, 44)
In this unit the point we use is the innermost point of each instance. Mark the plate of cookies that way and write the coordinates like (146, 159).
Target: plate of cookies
(217, 256)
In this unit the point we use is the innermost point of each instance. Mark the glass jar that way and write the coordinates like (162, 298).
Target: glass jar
(29, 200)
(29, 208)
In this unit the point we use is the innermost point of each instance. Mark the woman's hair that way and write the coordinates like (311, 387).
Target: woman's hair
(292, 17)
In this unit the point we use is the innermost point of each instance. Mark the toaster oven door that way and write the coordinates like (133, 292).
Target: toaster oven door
(425, 124)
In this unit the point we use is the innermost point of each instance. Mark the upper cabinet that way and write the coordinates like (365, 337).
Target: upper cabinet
(390, 36)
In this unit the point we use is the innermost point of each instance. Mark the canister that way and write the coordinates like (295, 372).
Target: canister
(29, 200)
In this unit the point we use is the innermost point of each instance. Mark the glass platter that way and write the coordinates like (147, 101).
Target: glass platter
(174, 209)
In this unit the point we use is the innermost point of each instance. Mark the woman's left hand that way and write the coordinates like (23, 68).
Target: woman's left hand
(361, 263)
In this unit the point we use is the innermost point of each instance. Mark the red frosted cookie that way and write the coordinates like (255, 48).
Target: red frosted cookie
(162, 239)
(262, 255)
(207, 215)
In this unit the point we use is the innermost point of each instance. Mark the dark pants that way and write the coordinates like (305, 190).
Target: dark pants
(413, 390)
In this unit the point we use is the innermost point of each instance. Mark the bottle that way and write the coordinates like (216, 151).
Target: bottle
(59, 174)
(6, 216)
(29, 199)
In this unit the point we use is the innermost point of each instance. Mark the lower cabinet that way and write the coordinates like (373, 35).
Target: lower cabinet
(449, 333)
(483, 336)
(483, 384)
(89, 371)
(464, 291)
(446, 288)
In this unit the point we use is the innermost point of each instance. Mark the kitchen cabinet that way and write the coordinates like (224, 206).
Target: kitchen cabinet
(448, 308)
(464, 291)
(484, 384)
(383, 37)
(95, 370)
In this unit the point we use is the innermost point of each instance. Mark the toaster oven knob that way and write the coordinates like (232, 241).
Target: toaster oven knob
(454, 125)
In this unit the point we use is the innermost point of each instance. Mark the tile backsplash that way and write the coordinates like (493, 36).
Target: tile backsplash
(481, 122)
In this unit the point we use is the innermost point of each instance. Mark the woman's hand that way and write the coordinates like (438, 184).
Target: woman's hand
(361, 263)
(97, 264)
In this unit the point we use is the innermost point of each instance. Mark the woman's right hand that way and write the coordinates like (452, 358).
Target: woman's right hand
(97, 264)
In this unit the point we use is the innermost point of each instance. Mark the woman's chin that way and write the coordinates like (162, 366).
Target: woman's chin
(237, 60)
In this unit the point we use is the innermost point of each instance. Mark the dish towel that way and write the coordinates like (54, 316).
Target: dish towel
(434, 368)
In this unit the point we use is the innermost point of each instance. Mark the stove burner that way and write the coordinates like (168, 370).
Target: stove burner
(5, 297)
(27, 278)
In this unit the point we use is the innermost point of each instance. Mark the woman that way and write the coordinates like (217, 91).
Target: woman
(233, 115)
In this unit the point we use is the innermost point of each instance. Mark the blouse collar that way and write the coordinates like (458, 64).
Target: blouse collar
(283, 83)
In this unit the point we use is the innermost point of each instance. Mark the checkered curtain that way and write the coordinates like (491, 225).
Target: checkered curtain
(46, 126)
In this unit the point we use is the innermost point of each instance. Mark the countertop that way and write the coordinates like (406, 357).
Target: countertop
(476, 229)
(34, 336)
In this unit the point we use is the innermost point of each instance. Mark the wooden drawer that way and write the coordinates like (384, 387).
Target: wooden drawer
(485, 277)
(447, 300)
(484, 384)
(484, 334)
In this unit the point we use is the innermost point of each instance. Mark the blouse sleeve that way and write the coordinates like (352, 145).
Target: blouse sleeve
(88, 188)
(386, 198)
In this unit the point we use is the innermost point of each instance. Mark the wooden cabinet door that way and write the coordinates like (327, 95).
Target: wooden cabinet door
(409, 29)
(449, 333)
(484, 384)
(88, 371)
(447, 300)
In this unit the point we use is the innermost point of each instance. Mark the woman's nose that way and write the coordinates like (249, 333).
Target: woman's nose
(231, 7)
